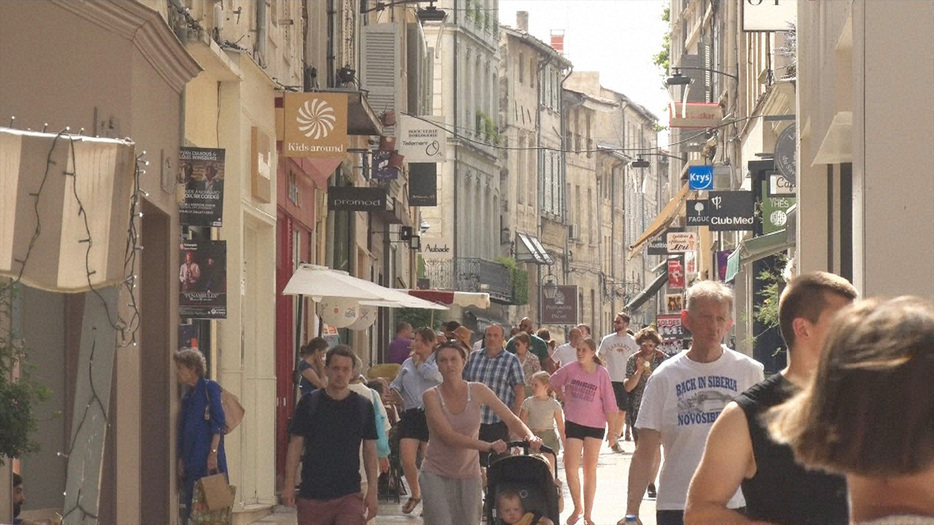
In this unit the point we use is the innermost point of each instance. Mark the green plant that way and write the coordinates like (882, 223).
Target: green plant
(486, 127)
(662, 58)
(766, 311)
(417, 317)
(520, 280)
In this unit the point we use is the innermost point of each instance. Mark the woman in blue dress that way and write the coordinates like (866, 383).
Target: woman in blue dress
(201, 424)
(311, 366)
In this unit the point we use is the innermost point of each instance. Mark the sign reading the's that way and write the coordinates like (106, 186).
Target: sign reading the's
(732, 210)
(315, 125)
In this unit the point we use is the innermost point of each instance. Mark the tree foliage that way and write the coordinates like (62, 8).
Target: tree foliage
(662, 58)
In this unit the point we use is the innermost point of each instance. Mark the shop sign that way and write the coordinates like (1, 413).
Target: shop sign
(421, 141)
(780, 186)
(675, 274)
(700, 177)
(696, 115)
(786, 153)
(315, 125)
(562, 308)
(680, 242)
(202, 273)
(769, 15)
(732, 210)
(697, 212)
(351, 198)
(659, 244)
(671, 332)
(775, 209)
(201, 170)
(382, 170)
(423, 184)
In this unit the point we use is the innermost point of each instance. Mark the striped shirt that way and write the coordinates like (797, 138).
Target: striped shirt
(501, 373)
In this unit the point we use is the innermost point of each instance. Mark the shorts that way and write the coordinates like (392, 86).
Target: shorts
(549, 439)
(413, 424)
(575, 431)
(346, 510)
(492, 432)
(622, 396)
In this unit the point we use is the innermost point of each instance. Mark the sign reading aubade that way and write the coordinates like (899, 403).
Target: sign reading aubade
(356, 199)
(315, 125)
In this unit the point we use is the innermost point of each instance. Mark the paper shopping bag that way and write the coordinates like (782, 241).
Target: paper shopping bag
(217, 493)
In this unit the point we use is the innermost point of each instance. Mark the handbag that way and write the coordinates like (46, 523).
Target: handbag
(233, 410)
(206, 490)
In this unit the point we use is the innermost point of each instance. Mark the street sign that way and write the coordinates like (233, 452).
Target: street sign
(700, 177)
(698, 212)
(732, 210)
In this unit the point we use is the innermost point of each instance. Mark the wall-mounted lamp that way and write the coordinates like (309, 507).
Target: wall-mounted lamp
(429, 14)
(549, 286)
(677, 79)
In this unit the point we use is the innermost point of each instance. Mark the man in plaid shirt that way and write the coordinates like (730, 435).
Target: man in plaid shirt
(501, 371)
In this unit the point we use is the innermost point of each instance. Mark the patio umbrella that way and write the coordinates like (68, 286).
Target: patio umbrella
(479, 299)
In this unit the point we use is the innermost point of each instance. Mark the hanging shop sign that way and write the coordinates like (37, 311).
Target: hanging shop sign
(671, 332)
(202, 275)
(700, 177)
(697, 212)
(769, 15)
(423, 184)
(696, 115)
(351, 198)
(421, 140)
(680, 242)
(562, 308)
(202, 172)
(675, 274)
(786, 153)
(775, 207)
(314, 125)
(659, 244)
(780, 186)
(731, 210)
(382, 168)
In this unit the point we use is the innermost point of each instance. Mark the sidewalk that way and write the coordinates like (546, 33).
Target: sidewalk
(609, 507)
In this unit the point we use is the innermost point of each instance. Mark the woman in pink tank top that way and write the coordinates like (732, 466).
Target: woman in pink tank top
(450, 479)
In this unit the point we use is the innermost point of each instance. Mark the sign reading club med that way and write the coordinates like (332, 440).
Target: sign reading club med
(315, 125)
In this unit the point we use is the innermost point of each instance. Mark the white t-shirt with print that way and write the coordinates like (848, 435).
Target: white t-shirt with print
(682, 399)
(565, 353)
(615, 350)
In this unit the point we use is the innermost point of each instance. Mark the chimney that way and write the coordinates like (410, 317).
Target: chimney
(522, 21)
(557, 40)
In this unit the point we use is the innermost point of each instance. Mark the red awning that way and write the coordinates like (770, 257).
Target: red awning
(478, 299)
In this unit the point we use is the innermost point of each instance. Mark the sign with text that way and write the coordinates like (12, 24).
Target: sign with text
(423, 184)
(680, 242)
(786, 156)
(421, 140)
(202, 172)
(732, 210)
(351, 198)
(562, 308)
(382, 170)
(697, 212)
(672, 333)
(202, 272)
(315, 125)
(775, 209)
(700, 177)
(675, 273)
(659, 244)
(696, 115)
(769, 15)
(780, 186)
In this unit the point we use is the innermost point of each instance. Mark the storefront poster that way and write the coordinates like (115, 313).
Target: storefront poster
(675, 274)
(202, 275)
(201, 170)
(672, 333)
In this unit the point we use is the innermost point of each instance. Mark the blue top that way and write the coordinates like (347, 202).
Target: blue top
(501, 373)
(195, 432)
(305, 386)
(411, 381)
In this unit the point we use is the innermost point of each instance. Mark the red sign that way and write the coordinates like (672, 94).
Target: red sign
(675, 274)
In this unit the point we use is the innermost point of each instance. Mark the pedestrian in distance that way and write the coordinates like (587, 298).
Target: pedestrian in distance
(451, 478)
(741, 453)
(638, 370)
(543, 414)
(401, 345)
(615, 349)
(683, 398)
(868, 413)
(538, 346)
(588, 403)
(567, 352)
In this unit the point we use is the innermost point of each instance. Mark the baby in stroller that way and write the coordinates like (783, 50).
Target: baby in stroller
(521, 489)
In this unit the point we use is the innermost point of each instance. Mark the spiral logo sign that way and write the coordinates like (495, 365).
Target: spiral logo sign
(316, 119)
(315, 125)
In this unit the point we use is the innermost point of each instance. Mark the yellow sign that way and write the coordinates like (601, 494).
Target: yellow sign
(315, 125)
(695, 115)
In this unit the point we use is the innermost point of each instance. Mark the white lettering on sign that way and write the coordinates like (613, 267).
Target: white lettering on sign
(729, 221)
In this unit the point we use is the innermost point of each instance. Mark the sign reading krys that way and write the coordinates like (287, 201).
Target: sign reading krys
(314, 125)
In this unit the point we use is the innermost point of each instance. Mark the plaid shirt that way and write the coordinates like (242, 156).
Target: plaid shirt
(501, 373)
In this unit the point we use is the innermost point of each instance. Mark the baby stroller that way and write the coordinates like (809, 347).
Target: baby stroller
(527, 475)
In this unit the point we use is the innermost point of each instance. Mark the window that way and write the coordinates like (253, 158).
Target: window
(521, 68)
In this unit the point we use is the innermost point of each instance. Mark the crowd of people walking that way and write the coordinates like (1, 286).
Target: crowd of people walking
(738, 447)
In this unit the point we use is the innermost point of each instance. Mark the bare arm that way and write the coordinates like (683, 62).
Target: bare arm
(559, 422)
(520, 397)
(727, 460)
(641, 468)
(314, 378)
(293, 456)
(371, 467)
(632, 381)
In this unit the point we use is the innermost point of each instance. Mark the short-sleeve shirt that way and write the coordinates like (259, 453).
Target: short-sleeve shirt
(682, 399)
(615, 350)
(333, 432)
(541, 412)
(588, 396)
(635, 396)
(501, 373)
(398, 350)
(530, 365)
(565, 354)
(412, 381)
(538, 346)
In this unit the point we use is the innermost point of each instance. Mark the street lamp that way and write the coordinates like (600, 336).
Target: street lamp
(428, 14)
(549, 286)
(677, 79)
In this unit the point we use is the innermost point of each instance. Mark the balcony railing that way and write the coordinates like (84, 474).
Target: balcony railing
(471, 274)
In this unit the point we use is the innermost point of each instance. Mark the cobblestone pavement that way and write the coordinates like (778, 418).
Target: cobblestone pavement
(610, 506)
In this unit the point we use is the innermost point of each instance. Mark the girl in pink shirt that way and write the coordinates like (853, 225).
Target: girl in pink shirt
(588, 402)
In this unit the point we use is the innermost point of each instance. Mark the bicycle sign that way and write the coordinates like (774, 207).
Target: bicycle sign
(700, 177)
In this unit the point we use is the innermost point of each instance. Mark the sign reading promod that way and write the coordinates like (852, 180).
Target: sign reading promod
(315, 125)
(356, 199)
(732, 210)
(562, 308)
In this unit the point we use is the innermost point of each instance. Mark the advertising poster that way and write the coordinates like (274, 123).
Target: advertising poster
(202, 275)
(201, 170)
(675, 274)
(673, 303)
(672, 333)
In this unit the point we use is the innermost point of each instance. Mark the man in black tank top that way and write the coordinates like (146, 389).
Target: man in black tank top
(739, 450)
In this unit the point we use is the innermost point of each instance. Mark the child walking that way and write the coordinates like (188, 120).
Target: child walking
(541, 412)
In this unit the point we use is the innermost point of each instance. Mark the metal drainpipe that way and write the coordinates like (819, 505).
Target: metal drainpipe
(622, 113)
(456, 177)
(564, 178)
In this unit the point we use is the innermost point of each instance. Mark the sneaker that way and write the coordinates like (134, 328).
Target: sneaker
(651, 492)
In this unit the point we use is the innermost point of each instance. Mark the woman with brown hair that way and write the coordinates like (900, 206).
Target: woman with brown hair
(868, 413)
(639, 368)
(311, 366)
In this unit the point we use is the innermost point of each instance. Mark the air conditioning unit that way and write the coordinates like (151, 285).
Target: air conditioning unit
(574, 232)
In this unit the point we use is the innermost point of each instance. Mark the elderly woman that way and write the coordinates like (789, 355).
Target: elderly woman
(450, 478)
(418, 373)
(311, 366)
(868, 413)
(201, 423)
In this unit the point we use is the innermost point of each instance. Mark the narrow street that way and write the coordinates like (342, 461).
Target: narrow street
(612, 477)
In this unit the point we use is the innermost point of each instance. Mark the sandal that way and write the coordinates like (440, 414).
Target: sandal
(574, 518)
(410, 505)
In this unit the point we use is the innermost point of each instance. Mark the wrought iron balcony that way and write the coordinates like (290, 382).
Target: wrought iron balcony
(471, 274)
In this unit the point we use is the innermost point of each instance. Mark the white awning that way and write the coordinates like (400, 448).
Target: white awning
(321, 282)
(530, 249)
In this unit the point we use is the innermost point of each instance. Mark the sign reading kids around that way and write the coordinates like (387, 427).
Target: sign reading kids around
(202, 274)
(202, 173)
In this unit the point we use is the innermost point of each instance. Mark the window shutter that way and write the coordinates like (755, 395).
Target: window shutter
(382, 68)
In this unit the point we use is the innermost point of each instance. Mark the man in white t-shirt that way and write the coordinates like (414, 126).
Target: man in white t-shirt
(615, 349)
(567, 353)
(682, 399)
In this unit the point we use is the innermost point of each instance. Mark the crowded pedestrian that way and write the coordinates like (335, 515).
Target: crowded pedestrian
(615, 350)
(451, 478)
(543, 414)
(567, 352)
(683, 398)
(530, 363)
(538, 346)
(638, 370)
(401, 345)
(740, 453)
(418, 373)
(588, 403)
